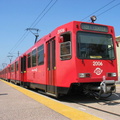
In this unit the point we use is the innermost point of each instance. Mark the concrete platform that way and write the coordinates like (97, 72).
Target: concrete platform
(15, 105)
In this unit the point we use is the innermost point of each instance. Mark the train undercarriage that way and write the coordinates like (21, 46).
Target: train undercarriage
(99, 90)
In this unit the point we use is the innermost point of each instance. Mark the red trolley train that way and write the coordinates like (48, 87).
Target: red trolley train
(78, 56)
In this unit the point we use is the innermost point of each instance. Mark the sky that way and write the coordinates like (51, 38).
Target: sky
(46, 15)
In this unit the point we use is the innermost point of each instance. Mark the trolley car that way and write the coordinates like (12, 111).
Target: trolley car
(78, 56)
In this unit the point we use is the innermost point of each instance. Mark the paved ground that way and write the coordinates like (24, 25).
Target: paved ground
(17, 103)
(106, 109)
(14, 105)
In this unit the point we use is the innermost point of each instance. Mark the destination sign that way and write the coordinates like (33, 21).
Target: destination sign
(93, 27)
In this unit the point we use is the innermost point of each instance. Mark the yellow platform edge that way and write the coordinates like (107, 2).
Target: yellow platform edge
(65, 110)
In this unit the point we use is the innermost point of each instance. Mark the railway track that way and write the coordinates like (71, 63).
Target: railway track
(107, 109)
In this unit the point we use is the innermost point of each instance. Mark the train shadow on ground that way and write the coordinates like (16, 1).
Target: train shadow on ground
(77, 98)
(3, 94)
(86, 101)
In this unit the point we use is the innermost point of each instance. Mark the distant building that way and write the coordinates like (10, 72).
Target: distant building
(118, 54)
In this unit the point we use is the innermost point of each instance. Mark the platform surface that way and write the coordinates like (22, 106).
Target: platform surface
(17, 103)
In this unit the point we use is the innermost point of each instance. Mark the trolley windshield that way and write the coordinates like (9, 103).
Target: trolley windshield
(94, 46)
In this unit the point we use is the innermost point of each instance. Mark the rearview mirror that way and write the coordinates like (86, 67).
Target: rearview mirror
(117, 43)
(61, 39)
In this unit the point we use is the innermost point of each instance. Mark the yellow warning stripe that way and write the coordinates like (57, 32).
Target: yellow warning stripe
(117, 84)
(65, 110)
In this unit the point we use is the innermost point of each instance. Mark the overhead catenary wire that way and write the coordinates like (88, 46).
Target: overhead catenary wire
(19, 41)
(32, 25)
(36, 21)
(45, 13)
(46, 10)
(108, 9)
(97, 10)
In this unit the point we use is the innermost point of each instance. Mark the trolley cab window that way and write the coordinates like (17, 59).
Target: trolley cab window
(94, 46)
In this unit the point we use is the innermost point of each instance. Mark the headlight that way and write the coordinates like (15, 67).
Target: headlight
(112, 74)
(84, 75)
(93, 18)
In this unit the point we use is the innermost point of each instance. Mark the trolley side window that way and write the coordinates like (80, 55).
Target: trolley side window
(29, 60)
(40, 55)
(9, 69)
(16, 66)
(34, 58)
(65, 47)
(12, 67)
